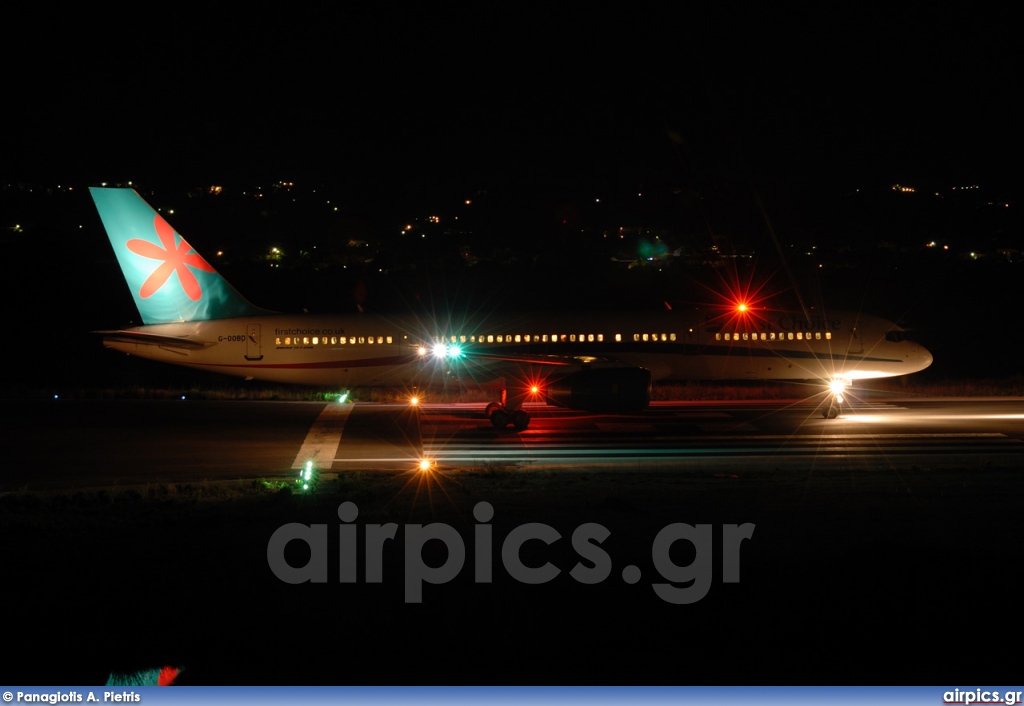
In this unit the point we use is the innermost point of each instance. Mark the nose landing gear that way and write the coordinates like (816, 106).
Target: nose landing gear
(833, 406)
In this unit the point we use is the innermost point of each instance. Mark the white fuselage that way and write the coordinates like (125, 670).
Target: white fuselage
(364, 349)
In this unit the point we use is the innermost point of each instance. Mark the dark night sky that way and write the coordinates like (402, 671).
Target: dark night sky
(513, 96)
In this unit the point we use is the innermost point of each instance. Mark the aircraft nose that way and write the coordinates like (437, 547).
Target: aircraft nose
(924, 356)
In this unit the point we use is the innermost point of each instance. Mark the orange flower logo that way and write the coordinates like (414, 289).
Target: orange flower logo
(176, 257)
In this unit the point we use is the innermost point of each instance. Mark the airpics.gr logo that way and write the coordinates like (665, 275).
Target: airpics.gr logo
(586, 542)
(176, 256)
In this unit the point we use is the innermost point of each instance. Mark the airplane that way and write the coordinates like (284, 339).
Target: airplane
(602, 362)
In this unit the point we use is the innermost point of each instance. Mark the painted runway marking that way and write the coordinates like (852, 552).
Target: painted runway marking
(321, 444)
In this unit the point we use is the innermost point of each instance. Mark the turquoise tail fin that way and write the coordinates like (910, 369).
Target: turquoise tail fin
(169, 280)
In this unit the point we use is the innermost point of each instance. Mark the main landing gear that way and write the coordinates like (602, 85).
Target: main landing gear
(504, 413)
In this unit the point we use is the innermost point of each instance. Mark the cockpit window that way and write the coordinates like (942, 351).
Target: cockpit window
(896, 336)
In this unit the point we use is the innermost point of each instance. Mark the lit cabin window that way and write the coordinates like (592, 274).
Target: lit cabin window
(789, 336)
(671, 337)
(390, 340)
(380, 339)
(288, 341)
(316, 340)
(519, 338)
(500, 338)
(362, 339)
(305, 340)
(563, 338)
(536, 338)
(664, 337)
(572, 337)
(490, 338)
(817, 335)
(728, 337)
(618, 338)
(744, 336)
(370, 340)
(718, 337)
(636, 336)
(600, 338)
(828, 335)
(544, 338)
(799, 335)
(771, 336)
(277, 341)
(646, 337)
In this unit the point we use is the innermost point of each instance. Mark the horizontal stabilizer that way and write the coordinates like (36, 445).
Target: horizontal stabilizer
(153, 339)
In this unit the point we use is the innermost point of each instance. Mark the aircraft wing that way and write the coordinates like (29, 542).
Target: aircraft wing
(555, 360)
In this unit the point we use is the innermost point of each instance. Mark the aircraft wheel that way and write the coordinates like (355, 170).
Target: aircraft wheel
(520, 420)
(832, 412)
(499, 418)
(490, 409)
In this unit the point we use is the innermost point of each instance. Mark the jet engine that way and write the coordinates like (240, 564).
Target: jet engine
(602, 390)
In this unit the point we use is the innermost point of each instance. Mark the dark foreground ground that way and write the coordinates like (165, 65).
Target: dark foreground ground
(899, 576)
